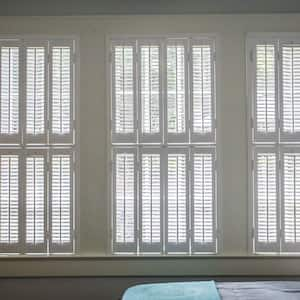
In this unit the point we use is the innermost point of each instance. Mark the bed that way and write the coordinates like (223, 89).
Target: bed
(210, 290)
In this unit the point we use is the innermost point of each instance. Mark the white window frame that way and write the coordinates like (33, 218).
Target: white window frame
(26, 145)
(206, 143)
(278, 142)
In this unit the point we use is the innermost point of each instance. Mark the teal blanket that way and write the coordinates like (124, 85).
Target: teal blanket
(201, 290)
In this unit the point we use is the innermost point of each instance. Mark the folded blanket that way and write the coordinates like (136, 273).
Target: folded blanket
(202, 290)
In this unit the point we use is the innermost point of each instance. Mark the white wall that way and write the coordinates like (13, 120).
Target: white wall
(94, 196)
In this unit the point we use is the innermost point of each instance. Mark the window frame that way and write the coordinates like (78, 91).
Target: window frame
(42, 145)
(279, 142)
(205, 143)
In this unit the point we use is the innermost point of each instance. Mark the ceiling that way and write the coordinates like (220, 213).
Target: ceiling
(100, 7)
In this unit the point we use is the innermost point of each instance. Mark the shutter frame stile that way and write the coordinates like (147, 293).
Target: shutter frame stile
(12, 138)
(66, 247)
(143, 246)
(177, 137)
(266, 246)
(150, 137)
(13, 247)
(40, 247)
(182, 247)
(206, 247)
(288, 247)
(66, 138)
(122, 137)
(38, 138)
(208, 137)
(125, 247)
(258, 136)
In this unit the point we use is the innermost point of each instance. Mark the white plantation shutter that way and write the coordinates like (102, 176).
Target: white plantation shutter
(61, 91)
(266, 200)
(35, 201)
(265, 108)
(290, 92)
(177, 199)
(150, 91)
(125, 200)
(202, 91)
(36, 91)
(9, 202)
(203, 200)
(176, 87)
(123, 92)
(9, 92)
(291, 200)
(150, 203)
(61, 201)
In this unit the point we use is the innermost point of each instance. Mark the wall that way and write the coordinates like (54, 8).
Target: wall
(94, 197)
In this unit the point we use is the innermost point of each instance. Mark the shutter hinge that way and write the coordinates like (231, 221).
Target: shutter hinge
(48, 124)
(48, 58)
(252, 164)
(278, 123)
(74, 124)
(214, 55)
(251, 123)
(47, 234)
(216, 164)
(137, 125)
(188, 56)
(251, 55)
(279, 164)
(189, 165)
(278, 55)
(218, 233)
(189, 233)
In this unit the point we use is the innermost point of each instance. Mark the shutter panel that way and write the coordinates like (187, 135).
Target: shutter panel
(10, 92)
(265, 97)
(61, 201)
(203, 200)
(61, 91)
(291, 200)
(123, 92)
(266, 200)
(290, 92)
(177, 102)
(150, 91)
(177, 196)
(202, 91)
(150, 201)
(36, 91)
(9, 202)
(35, 201)
(125, 200)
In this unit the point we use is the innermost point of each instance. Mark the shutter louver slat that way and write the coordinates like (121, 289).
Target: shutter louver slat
(202, 108)
(123, 89)
(61, 206)
(9, 202)
(35, 203)
(150, 202)
(150, 92)
(9, 116)
(125, 201)
(176, 92)
(177, 203)
(266, 94)
(291, 91)
(291, 202)
(203, 201)
(266, 201)
(61, 93)
(35, 93)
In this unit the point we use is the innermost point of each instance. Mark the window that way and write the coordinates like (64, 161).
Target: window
(163, 145)
(37, 145)
(274, 90)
